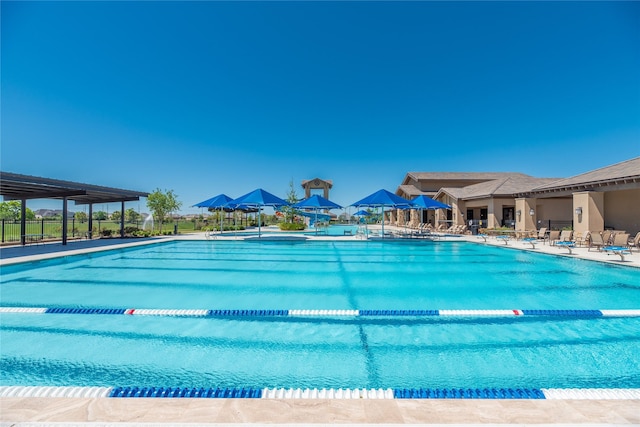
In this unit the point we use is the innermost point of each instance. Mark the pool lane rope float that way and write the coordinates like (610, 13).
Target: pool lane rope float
(314, 393)
(318, 313)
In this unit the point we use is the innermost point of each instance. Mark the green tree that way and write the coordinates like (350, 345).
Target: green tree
(162, 204)
(115, 216)
(80, 216)
(11, 210)
(130, 215)
(100, 215)
(292, 198)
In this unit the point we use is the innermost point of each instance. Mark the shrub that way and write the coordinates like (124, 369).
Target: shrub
(291, 226)
(106, 233)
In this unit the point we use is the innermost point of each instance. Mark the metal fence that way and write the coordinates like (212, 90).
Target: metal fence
(555, 224)
(52, 229)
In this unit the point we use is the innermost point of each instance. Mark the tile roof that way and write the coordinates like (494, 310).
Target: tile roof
(412, 190)
(627, 170)
(472, 176)
(507, 186)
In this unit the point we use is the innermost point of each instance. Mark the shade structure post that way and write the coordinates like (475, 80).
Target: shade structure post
(122, 219)
(90, 222)
(259, 209)
(23, 222)
(64, 221)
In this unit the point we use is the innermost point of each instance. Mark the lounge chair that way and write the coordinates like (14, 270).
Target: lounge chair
(582, 239)
(542, 233)
(531, 240)
(621, 240)
(553, 236)
(606, 236)
(565, 236)
(596, 241)
(635, 242)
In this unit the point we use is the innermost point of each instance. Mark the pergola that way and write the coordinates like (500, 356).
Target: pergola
(14, 186)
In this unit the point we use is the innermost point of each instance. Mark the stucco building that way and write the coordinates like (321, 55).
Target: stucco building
(608, 197)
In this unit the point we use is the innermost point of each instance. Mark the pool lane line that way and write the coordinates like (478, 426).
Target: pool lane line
(319, 313)
(314, 393)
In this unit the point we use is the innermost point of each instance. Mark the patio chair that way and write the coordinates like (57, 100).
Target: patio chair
(635, 242)
(596, 241)
(542, 233)
(553, 236)
(582, 239)
(565, 236)
(621, 240)
(606, 236)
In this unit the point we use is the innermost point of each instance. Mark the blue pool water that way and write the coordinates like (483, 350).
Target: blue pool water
(371, 352)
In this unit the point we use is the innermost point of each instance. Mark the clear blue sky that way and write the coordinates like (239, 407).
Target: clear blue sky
(225, 97)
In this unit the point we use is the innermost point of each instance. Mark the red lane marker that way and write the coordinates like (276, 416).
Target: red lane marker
(516, 312)
(129, 311)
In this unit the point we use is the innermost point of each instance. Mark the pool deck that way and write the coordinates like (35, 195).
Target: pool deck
(316, 411)
(17, 411)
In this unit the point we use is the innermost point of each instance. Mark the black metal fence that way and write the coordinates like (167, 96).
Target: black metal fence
(52, 229)
(555, 224)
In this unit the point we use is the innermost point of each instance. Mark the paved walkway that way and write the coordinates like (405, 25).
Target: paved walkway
(317, 411)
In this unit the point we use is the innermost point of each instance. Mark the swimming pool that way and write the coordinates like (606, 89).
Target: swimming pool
(334, 230)
(388, 349)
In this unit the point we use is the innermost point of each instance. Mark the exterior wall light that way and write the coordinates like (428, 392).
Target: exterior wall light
(532, 212)
(579, 211)
(518, 213)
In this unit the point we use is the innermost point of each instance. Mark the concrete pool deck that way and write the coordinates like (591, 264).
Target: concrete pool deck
(317, 411)
(108, 411)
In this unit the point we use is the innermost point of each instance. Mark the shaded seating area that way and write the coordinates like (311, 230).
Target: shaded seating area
(26, 187)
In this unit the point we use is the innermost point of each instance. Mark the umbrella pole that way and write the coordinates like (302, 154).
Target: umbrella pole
(382, 216)
(259, 235)
(221, 219)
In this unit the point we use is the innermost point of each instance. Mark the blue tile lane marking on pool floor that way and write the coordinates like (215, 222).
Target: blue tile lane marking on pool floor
(355, 313)
(297, 393)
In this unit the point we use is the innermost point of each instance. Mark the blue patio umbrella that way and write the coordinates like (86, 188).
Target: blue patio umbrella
(426, 202)
(218, 202)
(316, 203)
(381, 199)
(362, 214)
(423, 202)
(257, 199)
(215, 202)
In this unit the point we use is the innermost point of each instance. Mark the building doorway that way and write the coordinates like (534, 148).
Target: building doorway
(508, 217)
